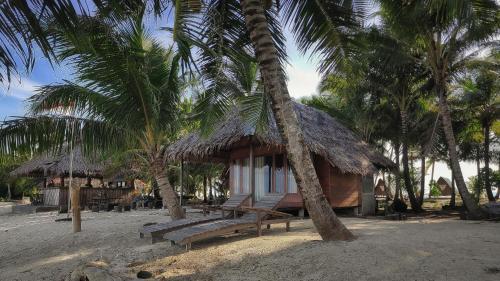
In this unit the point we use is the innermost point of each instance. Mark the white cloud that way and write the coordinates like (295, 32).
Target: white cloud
(20, 89)
(302, 81)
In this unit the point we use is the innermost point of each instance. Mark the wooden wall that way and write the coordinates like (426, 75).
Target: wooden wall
(345, 189)
(341, 190)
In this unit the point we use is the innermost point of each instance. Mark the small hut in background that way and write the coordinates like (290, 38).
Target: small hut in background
(445, 186)
(380, 189)
(53, 172)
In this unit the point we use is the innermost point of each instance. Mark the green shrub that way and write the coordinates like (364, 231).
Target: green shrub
(434, 189)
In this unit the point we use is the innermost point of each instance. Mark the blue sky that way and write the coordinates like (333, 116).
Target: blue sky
(303, 78)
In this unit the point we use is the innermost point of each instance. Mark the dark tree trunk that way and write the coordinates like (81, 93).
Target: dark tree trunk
(9, 194)
(487, 182)
(170, 199)
(272, 73)
(204, 189)
(415, 206)
(479, 176)
(453, 195)
(422, 180)
(211, 193)
(397, 195)
(432, 170)
(472, 207)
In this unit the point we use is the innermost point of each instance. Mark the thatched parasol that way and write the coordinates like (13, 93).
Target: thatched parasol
(323, 134)
(59, 165)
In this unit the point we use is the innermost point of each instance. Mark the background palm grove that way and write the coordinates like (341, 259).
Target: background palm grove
(417, 79)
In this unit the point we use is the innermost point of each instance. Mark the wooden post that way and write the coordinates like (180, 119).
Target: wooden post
(62, 181)
(251, 175)
(259, 224)
(75, 203)
(181, 183)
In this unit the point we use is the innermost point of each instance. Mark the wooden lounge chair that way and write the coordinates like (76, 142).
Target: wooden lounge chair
(158, 230)
(262, 213)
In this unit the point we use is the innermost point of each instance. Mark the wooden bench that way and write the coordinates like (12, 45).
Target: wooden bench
(157, 231)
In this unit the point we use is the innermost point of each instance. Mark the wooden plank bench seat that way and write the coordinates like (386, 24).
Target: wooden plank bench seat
(157, 231)
(262, 214)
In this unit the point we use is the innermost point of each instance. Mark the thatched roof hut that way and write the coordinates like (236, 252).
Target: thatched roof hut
(324, 136)
(59, 165)
(445, 186)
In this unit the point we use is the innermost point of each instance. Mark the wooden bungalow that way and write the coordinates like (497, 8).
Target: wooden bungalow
(53, 171)
(444, 185)
(259, 165)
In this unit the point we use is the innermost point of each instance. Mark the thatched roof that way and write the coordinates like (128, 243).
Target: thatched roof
(58, 164)
(445, 181)
(323, 134)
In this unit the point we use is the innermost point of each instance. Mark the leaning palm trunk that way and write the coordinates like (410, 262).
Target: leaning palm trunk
(397, 195)
(472, 207)
(406, 169)
(324, 219)
(422, 179)
(487, 180)
(167, 193)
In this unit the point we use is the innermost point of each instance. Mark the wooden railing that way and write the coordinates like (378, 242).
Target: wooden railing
(115, 195)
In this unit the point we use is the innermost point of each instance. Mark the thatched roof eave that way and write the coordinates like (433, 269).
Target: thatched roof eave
(323, 135)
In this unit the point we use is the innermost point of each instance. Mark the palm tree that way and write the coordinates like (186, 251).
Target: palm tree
(480, 93)
(125, 84)
(447, 32)
(22, 27)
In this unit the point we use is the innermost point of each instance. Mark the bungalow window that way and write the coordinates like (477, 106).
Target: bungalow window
(241, 176)
(236, 176)
(245, 177)
(279, 173)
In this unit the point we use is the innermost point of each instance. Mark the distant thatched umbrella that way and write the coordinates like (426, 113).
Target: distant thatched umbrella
(323, 134)
(59, 165)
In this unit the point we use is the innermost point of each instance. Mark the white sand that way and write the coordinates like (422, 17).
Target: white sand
(37, 248)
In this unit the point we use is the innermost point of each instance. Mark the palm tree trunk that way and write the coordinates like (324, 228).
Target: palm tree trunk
(170, 199)
(422, 180)
(9, 194)
(210, 187)
(324, 219)
(397, 175)
(432, 170)
(487, 180)
(204, 189)
(472, 207)
(406, 168)
(453, 194)
(479, 177)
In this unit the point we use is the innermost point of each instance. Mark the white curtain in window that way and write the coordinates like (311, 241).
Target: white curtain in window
(291, 184)
(259, 177)
(236, 176)
(246, 175)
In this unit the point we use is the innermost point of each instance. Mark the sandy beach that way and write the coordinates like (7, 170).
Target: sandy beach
(35, 247)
